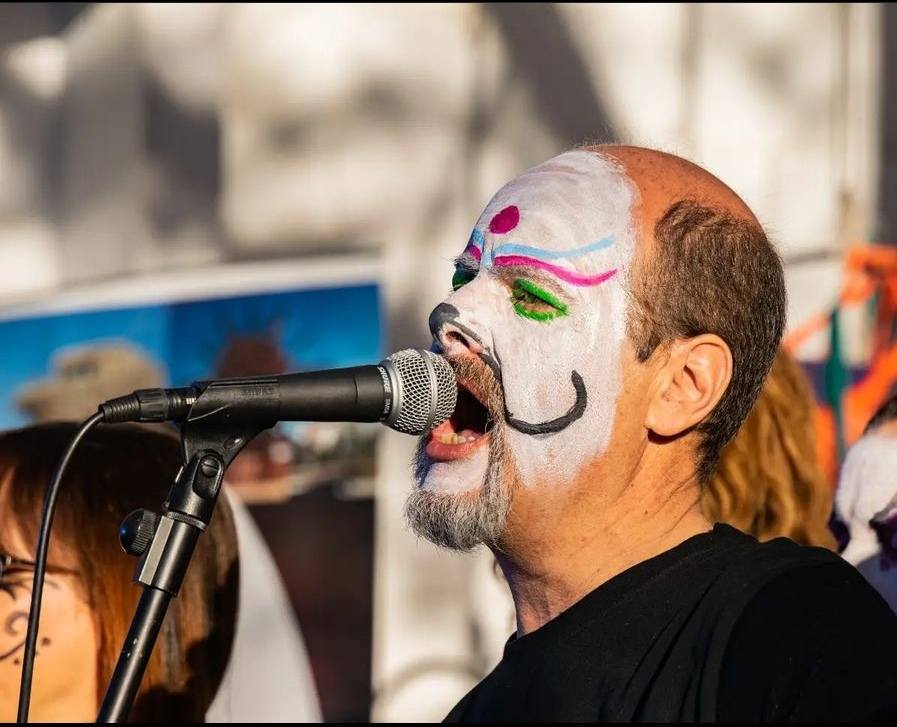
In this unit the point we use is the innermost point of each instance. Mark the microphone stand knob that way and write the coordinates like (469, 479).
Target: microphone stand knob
(136, 531)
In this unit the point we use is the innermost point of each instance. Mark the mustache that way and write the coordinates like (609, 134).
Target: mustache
(479, 379)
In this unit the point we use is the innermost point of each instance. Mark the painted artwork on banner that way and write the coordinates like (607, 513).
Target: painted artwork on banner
(61, 365)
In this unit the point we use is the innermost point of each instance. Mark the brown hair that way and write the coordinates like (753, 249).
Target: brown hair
(712, 272)
(768, 482)
(116, 470)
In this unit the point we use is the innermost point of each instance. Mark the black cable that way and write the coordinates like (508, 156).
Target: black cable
(40, 567)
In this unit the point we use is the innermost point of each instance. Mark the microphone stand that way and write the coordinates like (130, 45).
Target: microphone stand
(210, 441)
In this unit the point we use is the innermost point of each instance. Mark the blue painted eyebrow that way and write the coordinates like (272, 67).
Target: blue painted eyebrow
(542, 254)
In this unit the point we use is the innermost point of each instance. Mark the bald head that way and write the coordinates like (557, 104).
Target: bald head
(703, 265)
(664, 179)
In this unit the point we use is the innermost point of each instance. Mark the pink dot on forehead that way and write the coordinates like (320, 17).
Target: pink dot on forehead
(505, 221)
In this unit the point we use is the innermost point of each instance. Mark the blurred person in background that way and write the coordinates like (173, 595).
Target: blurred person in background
(228, 650)
(865, 518)
(614, 315)
(768, 482)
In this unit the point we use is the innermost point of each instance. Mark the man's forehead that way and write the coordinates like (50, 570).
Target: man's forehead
(573, 199)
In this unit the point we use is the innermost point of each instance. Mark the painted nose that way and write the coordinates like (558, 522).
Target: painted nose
(452, 336)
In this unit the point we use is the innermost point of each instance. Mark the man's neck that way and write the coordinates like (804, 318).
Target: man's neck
(562, 552)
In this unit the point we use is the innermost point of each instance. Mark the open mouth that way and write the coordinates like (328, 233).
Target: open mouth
(464, 432)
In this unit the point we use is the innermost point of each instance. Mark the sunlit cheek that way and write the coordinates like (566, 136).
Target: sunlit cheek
(67, 637)
(75, 642)
(529, 360)
(538, 359)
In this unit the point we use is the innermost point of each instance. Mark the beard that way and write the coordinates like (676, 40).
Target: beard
(476, 515)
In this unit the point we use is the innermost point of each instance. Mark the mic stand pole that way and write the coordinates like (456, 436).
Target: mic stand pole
(165, 544)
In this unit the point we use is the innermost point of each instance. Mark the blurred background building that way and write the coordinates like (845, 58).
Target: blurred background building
(141, 140)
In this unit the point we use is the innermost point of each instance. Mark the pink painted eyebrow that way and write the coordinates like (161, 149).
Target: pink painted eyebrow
(568, 276)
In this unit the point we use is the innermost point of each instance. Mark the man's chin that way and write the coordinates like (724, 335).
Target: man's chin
(451, 476)
(459, 504)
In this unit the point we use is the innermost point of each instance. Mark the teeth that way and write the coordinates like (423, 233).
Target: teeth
(453, 438)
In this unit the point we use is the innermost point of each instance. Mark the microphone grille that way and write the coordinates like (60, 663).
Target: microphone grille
(425, 390)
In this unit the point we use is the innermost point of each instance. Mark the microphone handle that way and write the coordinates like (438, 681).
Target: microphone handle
(356, 394)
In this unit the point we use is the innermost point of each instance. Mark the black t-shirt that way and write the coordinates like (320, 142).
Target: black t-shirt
(719, 628)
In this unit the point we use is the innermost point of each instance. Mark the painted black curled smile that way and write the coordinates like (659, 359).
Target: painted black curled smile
(562, 422)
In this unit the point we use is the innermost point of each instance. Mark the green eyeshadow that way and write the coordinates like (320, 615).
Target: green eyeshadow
(524, 289)
(535, 290)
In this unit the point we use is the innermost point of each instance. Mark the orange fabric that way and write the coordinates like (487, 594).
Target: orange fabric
(867, 268)
(864, 397)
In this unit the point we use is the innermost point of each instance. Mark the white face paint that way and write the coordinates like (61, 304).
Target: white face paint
(543, 288)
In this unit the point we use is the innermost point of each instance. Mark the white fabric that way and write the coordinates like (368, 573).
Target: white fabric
(867, 487)
(268, 678)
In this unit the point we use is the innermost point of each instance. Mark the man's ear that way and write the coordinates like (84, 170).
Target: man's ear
(689, 384)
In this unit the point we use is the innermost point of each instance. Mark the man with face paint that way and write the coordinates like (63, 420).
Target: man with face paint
(613, 315)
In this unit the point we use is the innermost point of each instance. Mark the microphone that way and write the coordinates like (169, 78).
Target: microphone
(412, 391)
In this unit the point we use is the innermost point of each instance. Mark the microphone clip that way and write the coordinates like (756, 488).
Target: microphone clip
(210, 441)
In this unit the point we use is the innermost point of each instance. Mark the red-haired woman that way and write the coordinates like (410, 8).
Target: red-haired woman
(89, 597)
